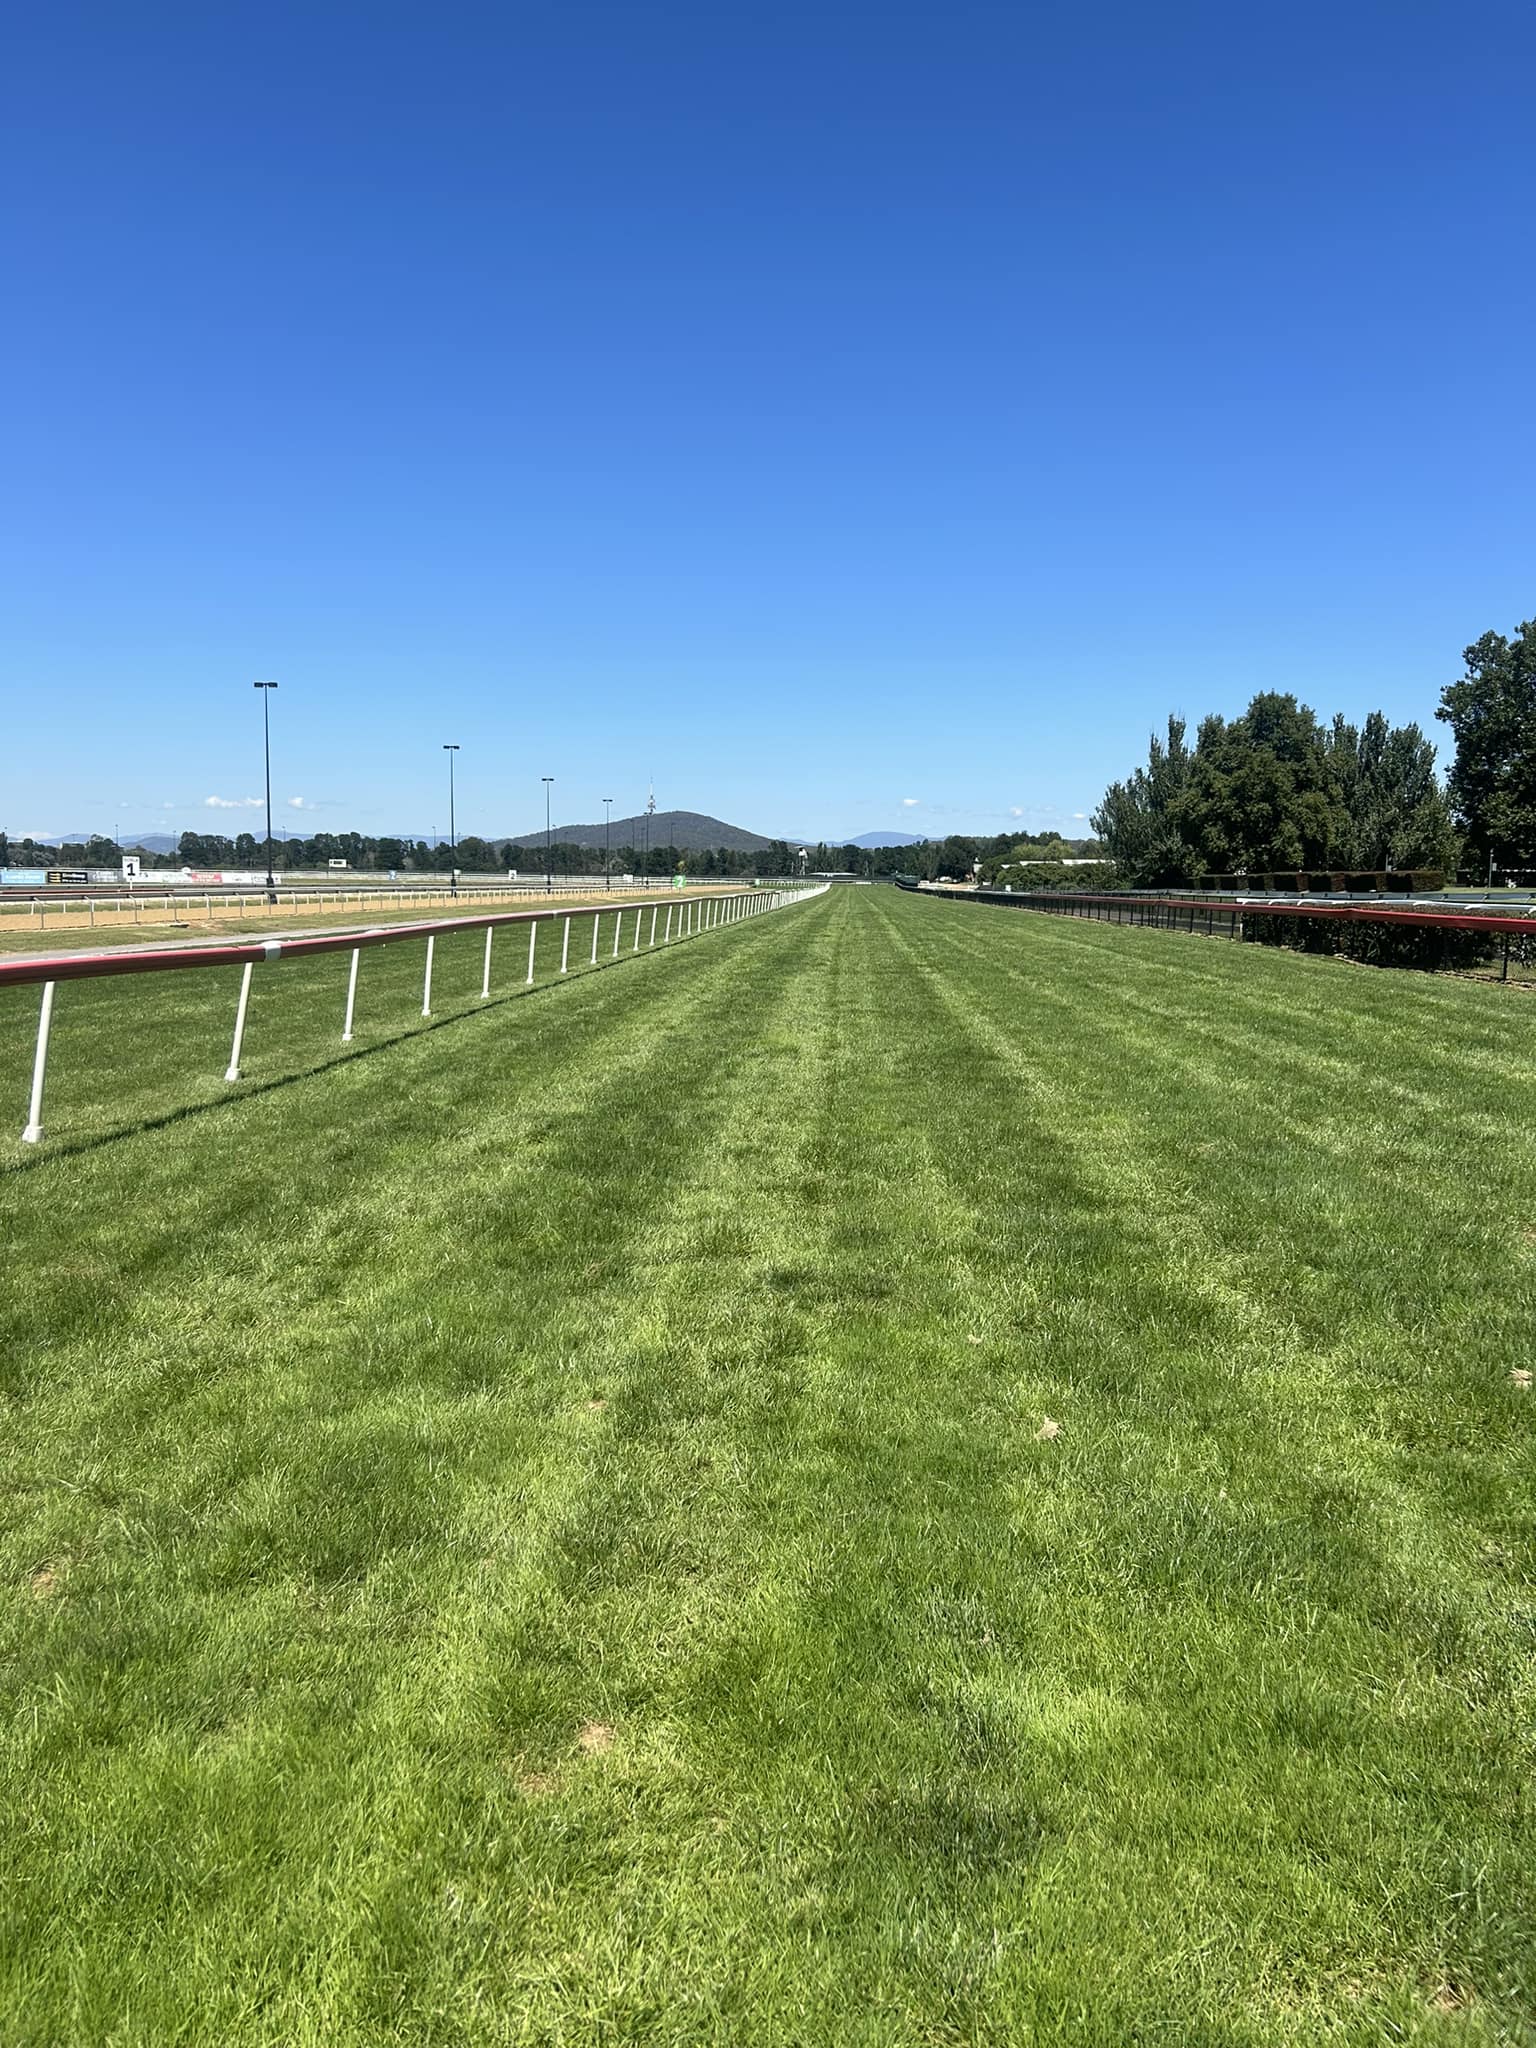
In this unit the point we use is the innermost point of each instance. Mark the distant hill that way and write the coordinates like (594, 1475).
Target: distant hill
(798, 839)
(167, 842)
(689, 831)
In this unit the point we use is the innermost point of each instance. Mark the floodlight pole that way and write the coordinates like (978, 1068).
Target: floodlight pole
(607, 857)
(549, 857)
(266, 747)
(450, 748)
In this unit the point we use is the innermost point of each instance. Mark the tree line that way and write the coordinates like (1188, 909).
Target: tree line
(1278, 791)
(956, 856)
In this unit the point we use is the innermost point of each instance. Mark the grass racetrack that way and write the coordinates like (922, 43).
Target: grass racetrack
(899, 1475)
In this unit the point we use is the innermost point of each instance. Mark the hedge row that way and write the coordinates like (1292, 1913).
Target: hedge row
(1384, 944)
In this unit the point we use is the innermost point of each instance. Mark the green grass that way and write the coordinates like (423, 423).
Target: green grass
(541, 1532)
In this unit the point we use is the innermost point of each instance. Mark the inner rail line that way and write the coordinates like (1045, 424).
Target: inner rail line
(1224, 916)
(686, 918)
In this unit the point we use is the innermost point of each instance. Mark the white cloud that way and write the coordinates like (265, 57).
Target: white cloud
(230, 803)
(909, 803)
(1015, 810)
(1079, 814)
(299, 803)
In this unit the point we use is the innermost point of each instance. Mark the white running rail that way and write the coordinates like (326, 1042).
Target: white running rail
(634, 930)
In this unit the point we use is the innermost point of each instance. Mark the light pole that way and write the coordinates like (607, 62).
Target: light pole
(266, 747)
(549, 858)
(607, 860)
(450, 748)
(650, 812)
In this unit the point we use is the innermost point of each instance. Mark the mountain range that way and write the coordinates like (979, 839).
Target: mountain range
(689, 831)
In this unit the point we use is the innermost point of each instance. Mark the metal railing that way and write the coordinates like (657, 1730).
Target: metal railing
(1228, 916)
(686, 917)
(45, 910)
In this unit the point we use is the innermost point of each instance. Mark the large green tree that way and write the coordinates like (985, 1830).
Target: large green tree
(1275, 790)
(1138, 820)
(1399, 816)
(1492, 783)
(1262, 793)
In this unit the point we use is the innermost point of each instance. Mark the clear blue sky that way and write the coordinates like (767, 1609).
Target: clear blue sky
(817, 406)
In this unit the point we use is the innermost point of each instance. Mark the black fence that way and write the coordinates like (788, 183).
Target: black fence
(1464, 939)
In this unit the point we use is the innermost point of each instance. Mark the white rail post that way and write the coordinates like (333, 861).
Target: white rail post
(652, 939)
(426, 987)
(533, 940)
(597, 918)
(667, 934)
(485, 979)
(33, 1134)
(232, 1072)
(618, 921)
(636, 946)
(346, 1029)
(565, 946)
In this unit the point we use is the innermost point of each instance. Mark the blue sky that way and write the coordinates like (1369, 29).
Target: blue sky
(852, 416)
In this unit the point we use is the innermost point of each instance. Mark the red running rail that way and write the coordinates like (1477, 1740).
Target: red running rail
(1068, 901)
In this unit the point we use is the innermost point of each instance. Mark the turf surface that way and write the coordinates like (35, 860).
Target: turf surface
(901, 1474)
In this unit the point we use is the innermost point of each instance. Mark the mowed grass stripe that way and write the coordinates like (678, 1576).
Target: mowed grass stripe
(376, 1685)
(390, 1390)
(1282, 1397)
(1258, 1132)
